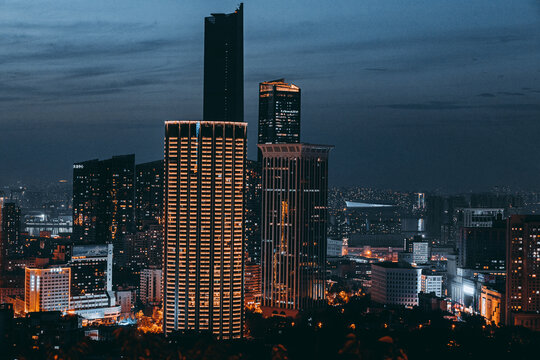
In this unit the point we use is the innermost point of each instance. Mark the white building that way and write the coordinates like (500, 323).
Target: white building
(420, 252)
(395, 283)
(47, 289)
(336, 248)
(431, 283)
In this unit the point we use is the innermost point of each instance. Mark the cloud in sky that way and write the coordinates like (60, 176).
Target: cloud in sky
(410, 93)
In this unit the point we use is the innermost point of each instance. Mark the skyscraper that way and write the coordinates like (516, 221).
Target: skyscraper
(204, 227)
(224, 67)
(523, 271)
(103, 199)
(294, 221)
(279, 112)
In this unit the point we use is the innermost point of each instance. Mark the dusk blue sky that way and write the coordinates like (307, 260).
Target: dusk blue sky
(416, 95)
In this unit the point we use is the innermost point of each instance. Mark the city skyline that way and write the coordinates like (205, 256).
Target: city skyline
(446, 97)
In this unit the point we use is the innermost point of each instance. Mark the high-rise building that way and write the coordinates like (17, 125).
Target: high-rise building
(148, 193)
(150, 290)
(103, 199)
(294, 223)
(204, 227)
(279, 112)
(47, 289)
(224, 67)
(523, 271)
(11, 230)
(253, 211)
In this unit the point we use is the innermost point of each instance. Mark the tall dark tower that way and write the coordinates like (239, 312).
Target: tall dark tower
(224, 67)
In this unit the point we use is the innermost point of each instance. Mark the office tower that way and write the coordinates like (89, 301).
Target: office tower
(150, 289)
(293, 227)
(395, 283)
(523, 271)
(148, 193)
(11, 230)
(47, 289)
(253, 211)
(224, 67)
(279, 112)
(103, 199)
(204, 230)
(483, 248)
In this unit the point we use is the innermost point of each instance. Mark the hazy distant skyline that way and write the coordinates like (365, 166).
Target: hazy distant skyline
(414, 95)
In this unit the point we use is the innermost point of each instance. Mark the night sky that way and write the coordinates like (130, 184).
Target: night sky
(414, 95)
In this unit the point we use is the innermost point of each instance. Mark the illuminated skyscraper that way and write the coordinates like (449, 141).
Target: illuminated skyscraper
(523, 271)
(204, 232)
(279, 112)
(294, 221)
(224, 67)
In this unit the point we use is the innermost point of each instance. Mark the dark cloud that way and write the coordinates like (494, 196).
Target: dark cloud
(488, 95)
(509, 93)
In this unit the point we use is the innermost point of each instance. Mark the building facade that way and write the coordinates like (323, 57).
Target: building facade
(395, 283)
(47, 289)
(523, 271)
(148, 194)
(103, 199)
(150, 289)
(294, 224)
(253, 211)
(204, 227)
(431, 283)
(483, 248)
(279, 113)
(91, 269)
